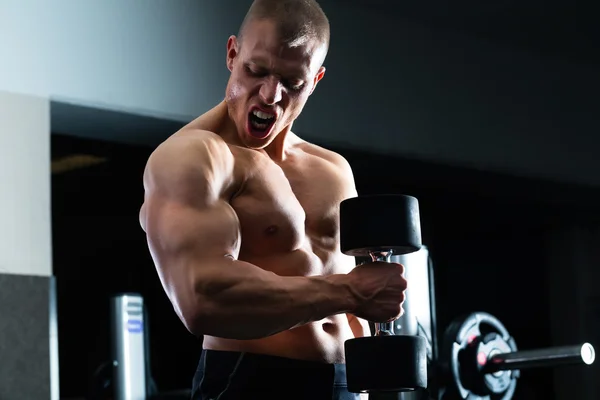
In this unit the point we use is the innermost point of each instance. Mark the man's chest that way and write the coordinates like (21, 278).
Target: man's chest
(285, 204)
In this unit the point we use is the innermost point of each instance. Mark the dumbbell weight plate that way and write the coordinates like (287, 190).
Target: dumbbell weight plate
(384, 223)
(467, 343)
(396, 363)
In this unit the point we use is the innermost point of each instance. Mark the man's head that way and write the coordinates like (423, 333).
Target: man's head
(276, 62)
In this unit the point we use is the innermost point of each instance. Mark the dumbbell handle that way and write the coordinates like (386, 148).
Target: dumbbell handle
(548, 357)
(383, 328)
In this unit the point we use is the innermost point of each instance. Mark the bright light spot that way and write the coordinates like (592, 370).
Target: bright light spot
(482, 358)
(588, 354)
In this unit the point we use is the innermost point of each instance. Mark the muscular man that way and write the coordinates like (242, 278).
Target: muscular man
(241, 217)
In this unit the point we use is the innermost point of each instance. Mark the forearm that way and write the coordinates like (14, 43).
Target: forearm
(246, 302)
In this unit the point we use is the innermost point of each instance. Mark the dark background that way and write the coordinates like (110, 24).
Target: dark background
(485, 233)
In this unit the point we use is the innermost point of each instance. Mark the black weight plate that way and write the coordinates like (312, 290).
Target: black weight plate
(377, 364)
(380, 223)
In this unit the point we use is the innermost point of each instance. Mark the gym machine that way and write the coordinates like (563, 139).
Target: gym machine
(127, 375)
(476, 358)
(129, 347)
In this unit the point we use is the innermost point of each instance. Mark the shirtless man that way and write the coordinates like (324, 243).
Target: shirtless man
(241, 217)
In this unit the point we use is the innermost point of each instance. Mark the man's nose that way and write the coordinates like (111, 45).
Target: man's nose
(270, 91)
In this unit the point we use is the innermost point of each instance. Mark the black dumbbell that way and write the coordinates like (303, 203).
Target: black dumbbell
(379, 226)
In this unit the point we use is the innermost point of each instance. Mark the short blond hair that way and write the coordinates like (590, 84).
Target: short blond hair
(297, 20)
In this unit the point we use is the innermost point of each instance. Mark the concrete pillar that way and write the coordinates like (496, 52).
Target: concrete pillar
(28, 329)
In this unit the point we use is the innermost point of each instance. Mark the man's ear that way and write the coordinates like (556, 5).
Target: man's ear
(232, 51)
(320, 74)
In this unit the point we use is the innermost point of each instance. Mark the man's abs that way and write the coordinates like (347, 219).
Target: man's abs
(318, 341)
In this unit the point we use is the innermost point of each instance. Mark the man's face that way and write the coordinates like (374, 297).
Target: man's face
(270, 82)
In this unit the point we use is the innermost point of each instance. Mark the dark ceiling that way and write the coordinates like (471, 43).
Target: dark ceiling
(558, 28)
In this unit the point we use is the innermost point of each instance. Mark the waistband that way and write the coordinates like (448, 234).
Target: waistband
(275, 365)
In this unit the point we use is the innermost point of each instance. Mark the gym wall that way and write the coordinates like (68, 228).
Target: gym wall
(440, 96)
(28, 326)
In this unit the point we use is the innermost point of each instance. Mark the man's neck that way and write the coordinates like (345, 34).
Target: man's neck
(277, 150)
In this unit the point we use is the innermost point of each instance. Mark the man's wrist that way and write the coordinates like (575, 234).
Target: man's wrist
(343, 293)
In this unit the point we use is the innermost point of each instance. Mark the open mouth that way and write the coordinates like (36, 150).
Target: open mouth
(260, 123)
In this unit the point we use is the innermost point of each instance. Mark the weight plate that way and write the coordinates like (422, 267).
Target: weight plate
(378, 364)
(468, 342)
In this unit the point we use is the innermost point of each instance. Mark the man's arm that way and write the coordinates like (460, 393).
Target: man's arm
(194, 238)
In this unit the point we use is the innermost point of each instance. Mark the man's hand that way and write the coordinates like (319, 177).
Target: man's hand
(378, 289)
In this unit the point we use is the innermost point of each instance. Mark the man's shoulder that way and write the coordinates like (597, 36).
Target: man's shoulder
(326, 154)
(190, 151)
(190, 145)
(332, 168)
(194, 140)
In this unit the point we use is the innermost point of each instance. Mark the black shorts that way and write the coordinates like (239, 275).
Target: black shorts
(227, 375)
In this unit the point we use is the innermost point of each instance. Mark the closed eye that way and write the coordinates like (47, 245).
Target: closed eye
(294, 85)
(254, 71)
